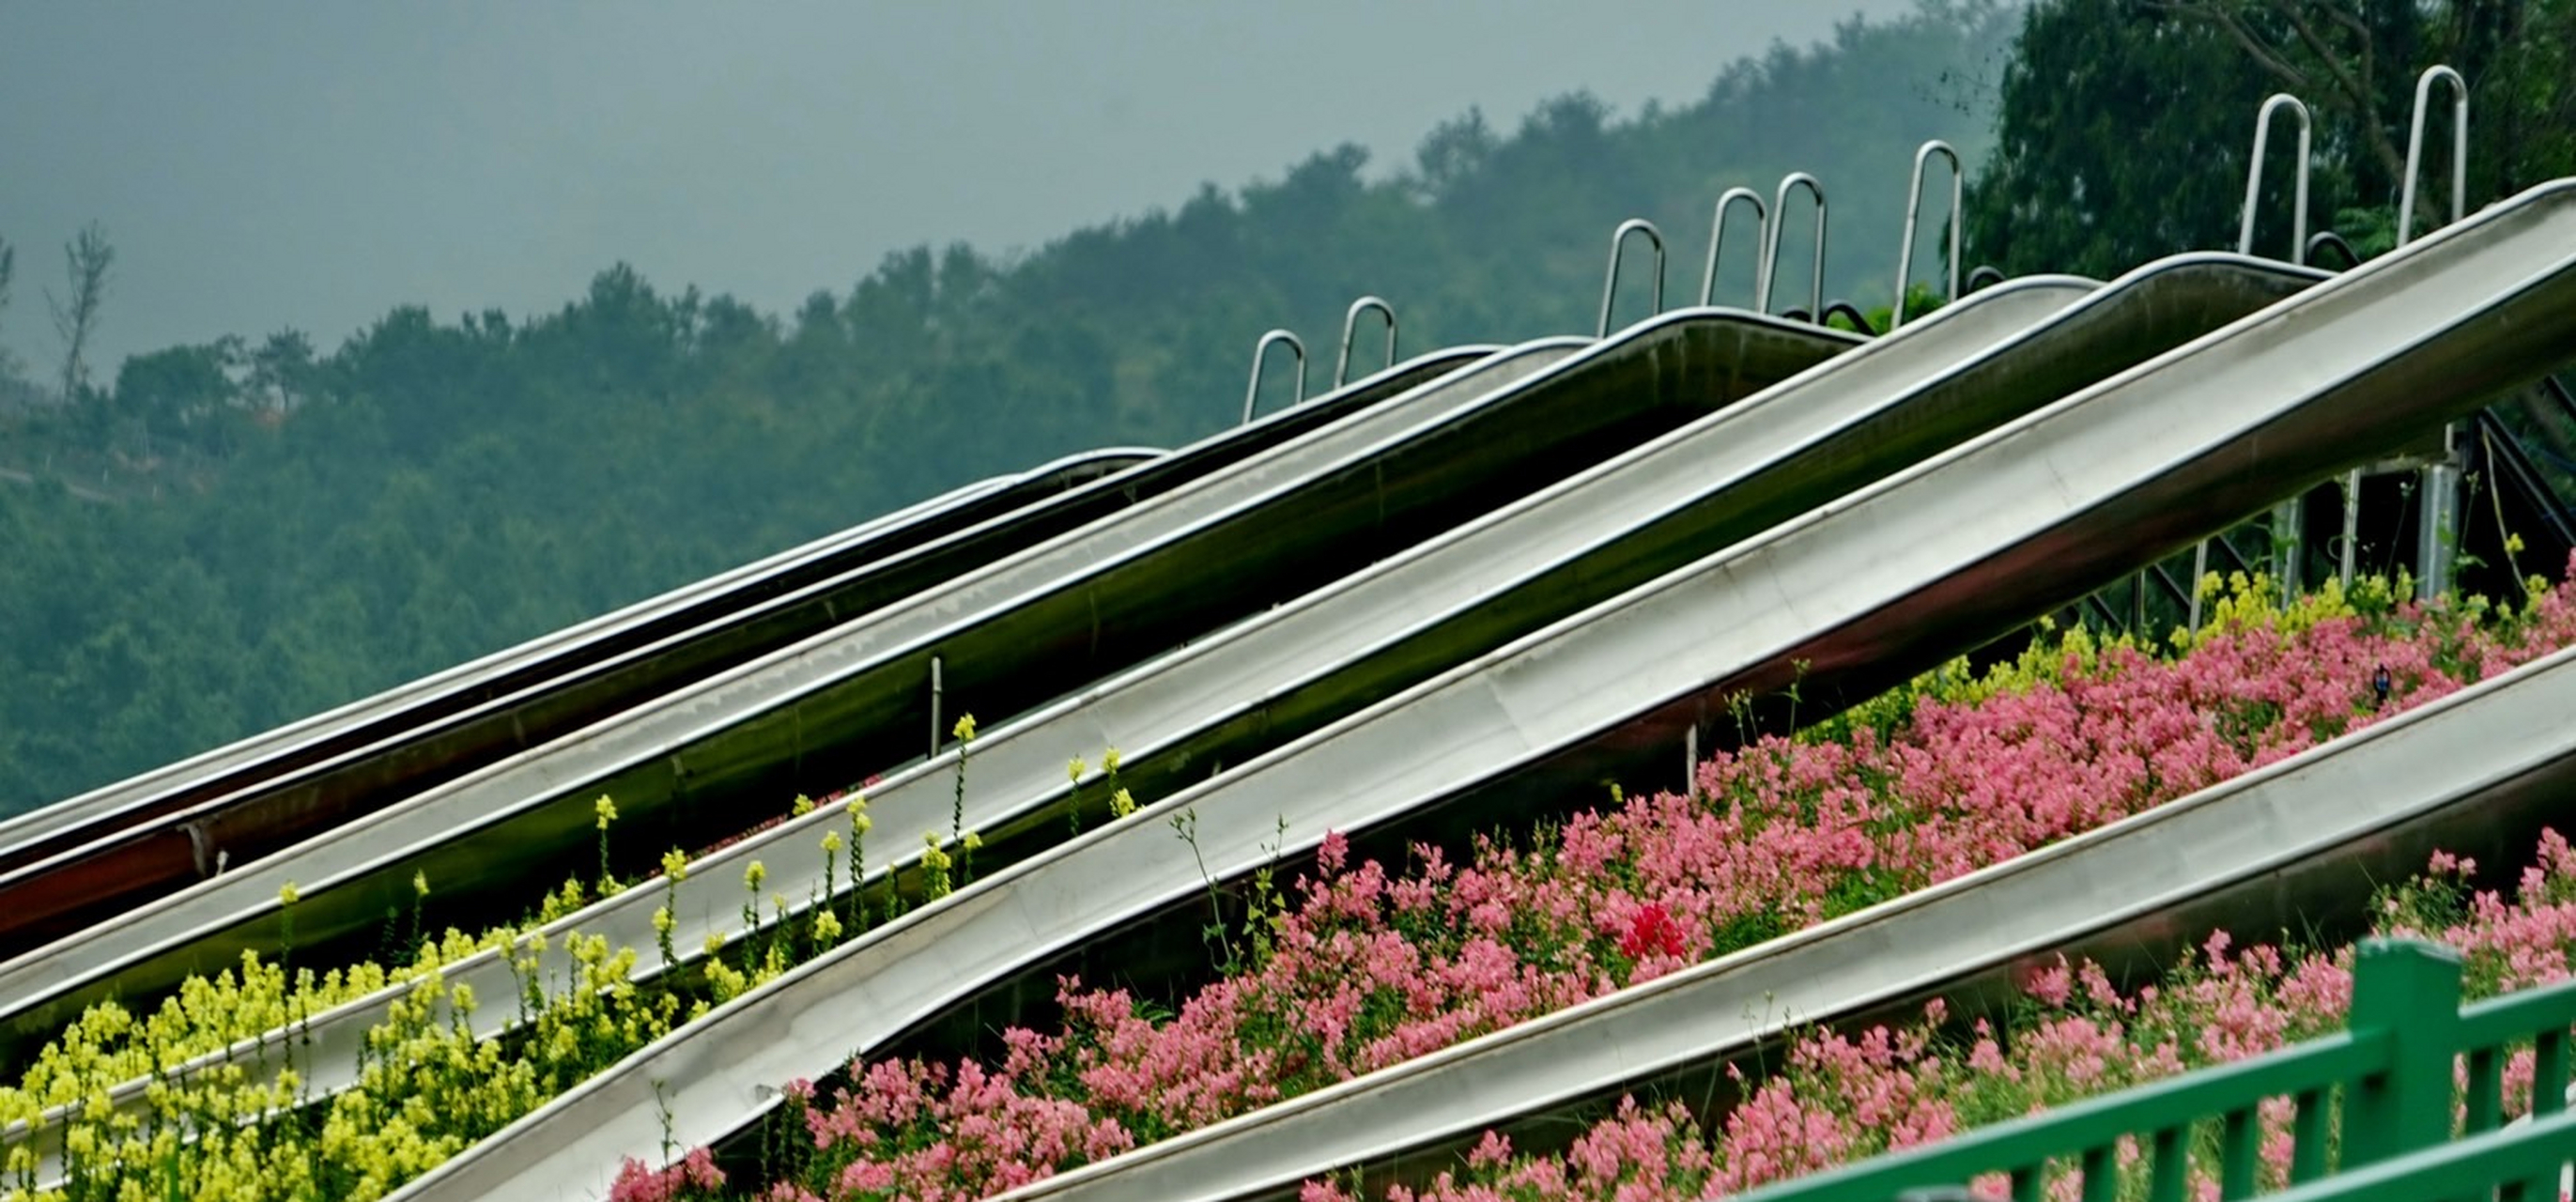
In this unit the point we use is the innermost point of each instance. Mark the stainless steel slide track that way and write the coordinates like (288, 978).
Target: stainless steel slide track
(1873, 587)
(1242, 691)
(111, 807)
(164, 840)
(1016, 633)
(2473, 773)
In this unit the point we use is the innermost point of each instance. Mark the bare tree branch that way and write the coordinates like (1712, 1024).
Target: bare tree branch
(2355, 90)
(2216, 12)
(8, 273)
(86, 260)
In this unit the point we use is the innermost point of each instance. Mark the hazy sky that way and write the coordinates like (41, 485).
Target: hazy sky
(261, 164)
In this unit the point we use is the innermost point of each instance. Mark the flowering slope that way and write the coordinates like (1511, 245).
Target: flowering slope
(1840, 1099)
(1368, 968)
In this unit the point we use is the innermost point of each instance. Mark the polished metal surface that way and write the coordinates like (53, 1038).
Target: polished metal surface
(2286, 554)
(1261, 355)
(2415, 148)
(2437, 530)
(1350, 329)
(110, 806)
(1914, 214)
(1610, 281)
(1240, 692)
(2293, 838)
(1770, 265)
(1717, 236)
(1012, 636)
(2278, 102)
(51, 889)
(1854, 594)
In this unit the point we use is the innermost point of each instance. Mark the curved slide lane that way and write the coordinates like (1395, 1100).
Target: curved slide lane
(1013, 635)
(1246, 689)
(1865, 590)
(68, 866)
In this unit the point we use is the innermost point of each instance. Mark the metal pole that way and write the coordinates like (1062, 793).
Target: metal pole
(1914, 212)
(937, 690)
(2288, 515)
(2254, 177)
(1610, 286)
(2437, 533)
(1260, 353)
(1717, 236)
(1350, 326)
(1770, 266)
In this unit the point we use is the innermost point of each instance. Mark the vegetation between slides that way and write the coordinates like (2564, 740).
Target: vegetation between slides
(2073, 1035)
(1360, 967)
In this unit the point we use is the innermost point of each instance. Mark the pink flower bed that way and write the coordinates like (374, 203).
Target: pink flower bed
(1368, 967)
(1842, 1099)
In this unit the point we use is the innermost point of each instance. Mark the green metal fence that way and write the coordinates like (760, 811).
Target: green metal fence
(2374, 1111)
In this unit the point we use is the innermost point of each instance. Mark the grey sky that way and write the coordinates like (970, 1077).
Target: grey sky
(262, 164)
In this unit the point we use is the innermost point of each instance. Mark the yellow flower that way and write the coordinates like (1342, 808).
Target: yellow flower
(827, 925)
(1073, 771)
(1122, 803)
(606, 809)
(286, 894)
(715, 942)
(1109, 761)
(863, 824)
(857, 805)
(754, 875)
(675, 865)
(973, 841)
(965, 728)
(831, 840)
(804, 805)
(420, 883)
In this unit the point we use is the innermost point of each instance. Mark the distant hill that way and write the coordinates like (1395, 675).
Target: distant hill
(299, 528)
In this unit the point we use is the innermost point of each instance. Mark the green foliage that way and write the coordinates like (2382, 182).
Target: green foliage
(2124, 127)
(265, 530)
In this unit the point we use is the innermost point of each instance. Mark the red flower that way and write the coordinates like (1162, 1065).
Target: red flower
(1652, 930)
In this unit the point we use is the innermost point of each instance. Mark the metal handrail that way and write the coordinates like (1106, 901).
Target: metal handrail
(2286, 517)
(2254, 177)
(1350, 326)
(1260, 355)
(1860, 321)
(2330, 240)
(2415, 148)
(1717, 236)
(1770, 267)
(2440, 482)
(1610, 285)
(1913, 212)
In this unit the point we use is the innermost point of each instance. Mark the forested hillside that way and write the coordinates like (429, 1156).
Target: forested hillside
(291, 529)
(211, 540)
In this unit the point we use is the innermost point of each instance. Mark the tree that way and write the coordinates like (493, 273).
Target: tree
(282, 372)
(2122, 121)
(2349, 58)
(86, 260)
(8, 271)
